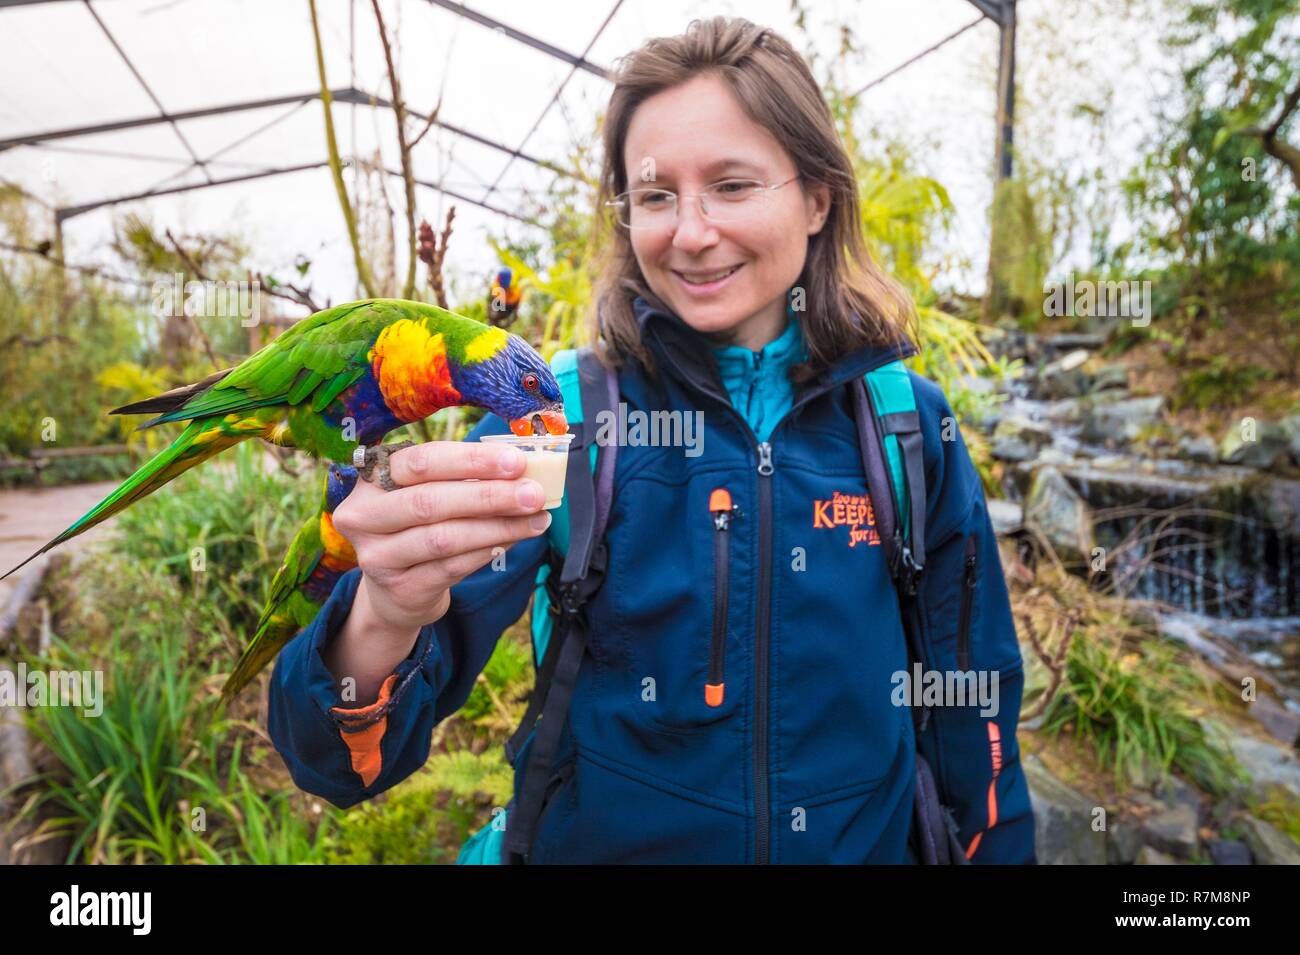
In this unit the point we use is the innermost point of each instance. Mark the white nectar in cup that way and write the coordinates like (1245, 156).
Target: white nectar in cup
(546, 461)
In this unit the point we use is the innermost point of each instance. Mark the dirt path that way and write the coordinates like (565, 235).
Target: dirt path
(28, 518)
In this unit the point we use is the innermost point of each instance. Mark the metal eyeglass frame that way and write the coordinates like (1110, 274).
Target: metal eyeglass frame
(619, 202)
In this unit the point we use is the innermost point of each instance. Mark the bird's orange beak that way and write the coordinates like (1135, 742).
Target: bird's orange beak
(554, 421)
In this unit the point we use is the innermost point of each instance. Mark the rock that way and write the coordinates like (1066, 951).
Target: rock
(1069, 341)
(1063, 817)
(1123, 842)
(1267, 764)
(1200, 449)
(1064, 411)
(1007, 516)
(1291, 428)
(1058, 383)
(1019, 439)
(1065, 377)
(1150, 856)
(1111, 376)
(1056, 510)
(1104, 326)
(1172, 830)
(1229, 852)
(1174, 791)
(1278, 499)
(1115, 423)
(1226, 810)
(1269, 845)
(1265, 446)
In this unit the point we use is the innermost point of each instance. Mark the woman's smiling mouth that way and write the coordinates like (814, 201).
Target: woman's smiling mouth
(706, 283)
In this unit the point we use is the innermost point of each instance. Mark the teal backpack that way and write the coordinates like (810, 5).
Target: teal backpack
(889, 434)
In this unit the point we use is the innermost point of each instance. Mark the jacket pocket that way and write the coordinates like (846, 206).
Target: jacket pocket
(693, 695)
(969, 577)
(721, 508)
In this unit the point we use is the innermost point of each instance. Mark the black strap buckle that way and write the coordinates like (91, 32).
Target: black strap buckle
(903, 566)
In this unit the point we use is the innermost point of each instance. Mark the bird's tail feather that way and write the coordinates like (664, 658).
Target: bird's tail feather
(199, 441)
(272, 634)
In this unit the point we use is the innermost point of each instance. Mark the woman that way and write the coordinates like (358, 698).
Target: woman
(738, 291)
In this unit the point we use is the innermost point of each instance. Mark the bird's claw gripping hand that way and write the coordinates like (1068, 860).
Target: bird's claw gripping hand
(374, 460)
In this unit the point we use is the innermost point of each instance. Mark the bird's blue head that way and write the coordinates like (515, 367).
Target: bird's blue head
(505, 276)
(339, 483)
(517, 385)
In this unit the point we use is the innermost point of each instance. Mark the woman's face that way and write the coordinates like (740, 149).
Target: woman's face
(689, 137)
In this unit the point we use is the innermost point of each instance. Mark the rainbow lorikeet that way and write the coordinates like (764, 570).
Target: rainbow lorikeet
(317, 558)
(504, 296)
(336, 383)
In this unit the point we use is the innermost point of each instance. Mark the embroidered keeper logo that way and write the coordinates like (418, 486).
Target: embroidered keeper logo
(853, 511)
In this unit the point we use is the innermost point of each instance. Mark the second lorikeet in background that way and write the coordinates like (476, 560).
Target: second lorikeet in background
(504, 296)
(317, 558)
(339, 381)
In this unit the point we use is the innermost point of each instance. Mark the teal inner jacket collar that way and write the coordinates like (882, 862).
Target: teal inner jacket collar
(758, 382)
(689, 357)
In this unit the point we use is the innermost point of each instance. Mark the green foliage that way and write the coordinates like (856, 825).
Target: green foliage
(1220, 383)
(426, 818)
(246, 824)
(160, 776)
(234, 516)
(119, 788)
(1137, 703)
(57, 331)
(560, 298)
(1279, 807)
(1215, 203)
(397, 829)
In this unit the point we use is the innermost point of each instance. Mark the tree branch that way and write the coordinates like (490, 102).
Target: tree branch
(1280, 149)
(336, 164)
(408, 174)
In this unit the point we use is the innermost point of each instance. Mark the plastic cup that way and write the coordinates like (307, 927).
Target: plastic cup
(546, 461)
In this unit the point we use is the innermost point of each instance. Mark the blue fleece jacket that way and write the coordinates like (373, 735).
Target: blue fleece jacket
(738, 697)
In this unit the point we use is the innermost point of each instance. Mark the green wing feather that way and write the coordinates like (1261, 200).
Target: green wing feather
(318, 358)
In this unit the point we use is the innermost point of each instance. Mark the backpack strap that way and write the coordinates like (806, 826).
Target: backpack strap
(588, 499)
(892, 461)
(889, 435)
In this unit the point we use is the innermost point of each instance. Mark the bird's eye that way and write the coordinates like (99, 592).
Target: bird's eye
(532, 383)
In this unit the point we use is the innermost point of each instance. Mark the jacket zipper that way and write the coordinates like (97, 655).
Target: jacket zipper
(762, 820)
(967, 595)
(722, 509)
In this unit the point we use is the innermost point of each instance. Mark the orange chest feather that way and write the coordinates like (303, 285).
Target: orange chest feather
(410, 367)
(339, 554)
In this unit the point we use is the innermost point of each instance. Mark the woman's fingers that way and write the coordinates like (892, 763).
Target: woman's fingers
(371, 510)
(447, 539)
(435, 576)
(454, 461)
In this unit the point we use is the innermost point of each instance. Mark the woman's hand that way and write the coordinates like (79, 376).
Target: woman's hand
(456, 502)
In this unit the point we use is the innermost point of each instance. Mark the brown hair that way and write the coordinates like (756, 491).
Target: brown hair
(774, 85)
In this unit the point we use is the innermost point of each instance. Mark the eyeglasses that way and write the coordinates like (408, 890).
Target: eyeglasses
(731, 200)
